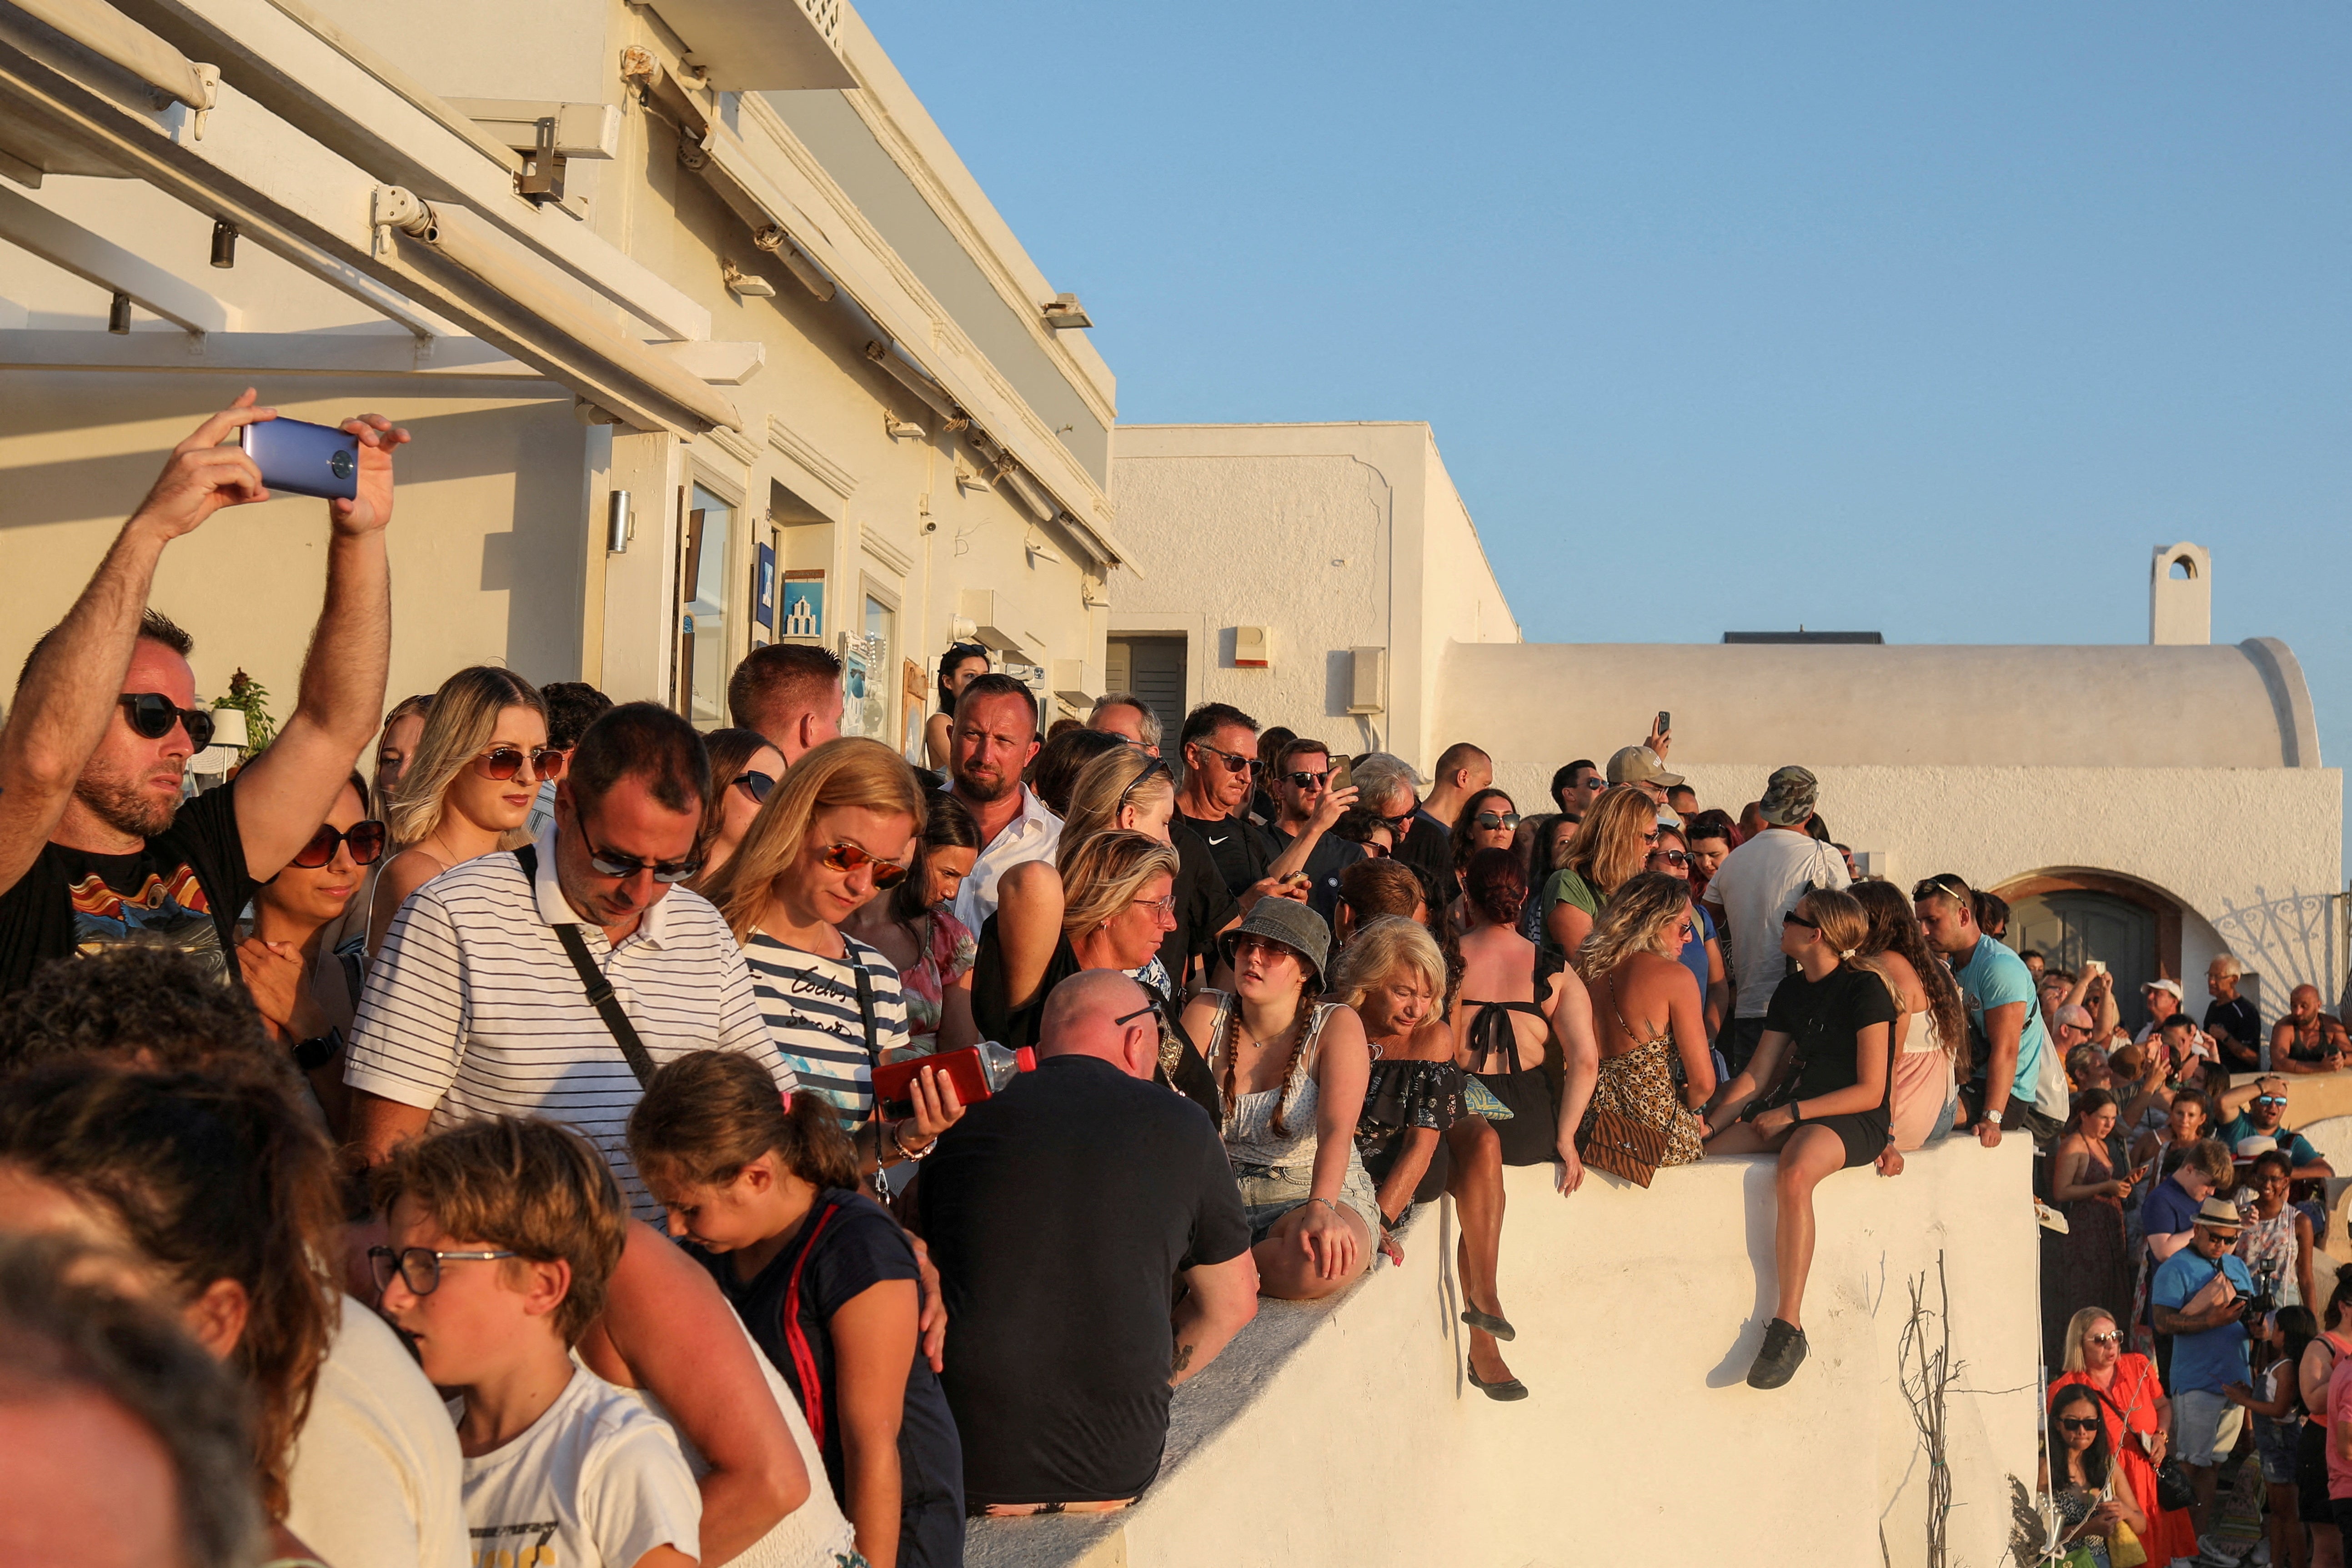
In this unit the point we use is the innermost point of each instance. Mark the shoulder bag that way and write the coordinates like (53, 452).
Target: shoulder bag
(599, 989)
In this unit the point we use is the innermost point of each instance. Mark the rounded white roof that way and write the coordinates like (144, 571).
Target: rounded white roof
(1831, 705)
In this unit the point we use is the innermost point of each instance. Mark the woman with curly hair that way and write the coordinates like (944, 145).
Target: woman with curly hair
(1656, 1067)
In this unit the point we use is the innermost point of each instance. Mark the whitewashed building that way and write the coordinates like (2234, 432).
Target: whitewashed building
(706, 335)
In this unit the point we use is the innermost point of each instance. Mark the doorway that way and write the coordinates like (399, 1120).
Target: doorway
(2070, 925)
(1152, 667)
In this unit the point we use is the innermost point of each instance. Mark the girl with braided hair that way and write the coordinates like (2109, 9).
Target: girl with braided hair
(1291, 1073)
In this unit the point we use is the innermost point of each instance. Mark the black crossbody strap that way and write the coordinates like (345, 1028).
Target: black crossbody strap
(866, 1008)
(599, 989)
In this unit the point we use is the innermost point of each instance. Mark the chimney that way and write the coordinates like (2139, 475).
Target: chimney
(2180, 595)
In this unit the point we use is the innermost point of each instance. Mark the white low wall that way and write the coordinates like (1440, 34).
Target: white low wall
(1343, 1433)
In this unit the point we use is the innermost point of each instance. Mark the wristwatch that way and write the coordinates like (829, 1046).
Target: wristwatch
(312, 1054)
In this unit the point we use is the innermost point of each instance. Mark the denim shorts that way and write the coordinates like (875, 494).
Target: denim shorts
(1270, 1191)
(2276, 1442)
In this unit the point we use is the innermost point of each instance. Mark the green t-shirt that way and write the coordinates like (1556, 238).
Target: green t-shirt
(1568, 887)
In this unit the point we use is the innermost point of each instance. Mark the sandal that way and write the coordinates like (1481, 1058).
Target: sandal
(1498, 1327)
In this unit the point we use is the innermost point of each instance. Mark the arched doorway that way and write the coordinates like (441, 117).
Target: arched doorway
(2068, 916)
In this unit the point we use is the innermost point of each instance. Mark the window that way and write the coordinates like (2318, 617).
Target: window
(1152, 667)
(867, 675)
(704, 627)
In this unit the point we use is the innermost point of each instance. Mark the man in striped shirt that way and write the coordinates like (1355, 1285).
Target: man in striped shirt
(473, 1007)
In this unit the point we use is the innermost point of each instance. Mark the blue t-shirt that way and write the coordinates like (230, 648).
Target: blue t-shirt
(1993, 977)
(2294, 1145)
(2216, 1358)
(1694, 949)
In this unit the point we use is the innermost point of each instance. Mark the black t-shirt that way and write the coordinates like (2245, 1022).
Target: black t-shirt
(1241, 850)
(851, 1246)
(1203, 904)
(186, 886)
(1822, 1017)
(1428, 848)
(1330, 856)
(2237, 1019)
(1060, 1213)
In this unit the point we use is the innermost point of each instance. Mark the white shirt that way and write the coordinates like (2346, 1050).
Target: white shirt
(473, 1009)
(809, 1004)
(597, 1481)
(1756, 885)
(814, 1535)
(377, 1480)
(1033, 834)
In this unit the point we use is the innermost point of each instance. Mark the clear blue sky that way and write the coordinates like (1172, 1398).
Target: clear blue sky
(1933, 322)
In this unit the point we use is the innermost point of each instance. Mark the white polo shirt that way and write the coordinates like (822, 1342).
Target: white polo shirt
(1033, 834)
(473, 1009)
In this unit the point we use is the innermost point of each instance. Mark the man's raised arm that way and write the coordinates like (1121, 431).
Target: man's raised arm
(284, 793)
(66, 699)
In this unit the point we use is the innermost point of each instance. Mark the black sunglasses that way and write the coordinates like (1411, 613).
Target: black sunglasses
(153, 714)
(605, 864)
(1672, 857)
(1793, 918)
(1491, 820)
(1154, 766)
(755, 785)
(2080, 1423)
(1234, 761)
(1306, 779)
(365, 839)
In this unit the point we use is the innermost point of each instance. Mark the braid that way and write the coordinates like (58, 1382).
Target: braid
(1298, 1027)
(1232, 1054)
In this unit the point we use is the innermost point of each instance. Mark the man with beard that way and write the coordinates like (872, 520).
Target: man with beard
(95, 847)
(995, 736)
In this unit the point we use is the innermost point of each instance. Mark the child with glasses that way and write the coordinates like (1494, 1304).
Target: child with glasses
(504, 1235)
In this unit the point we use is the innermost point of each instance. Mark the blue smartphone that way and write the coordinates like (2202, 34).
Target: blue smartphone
(304, 459)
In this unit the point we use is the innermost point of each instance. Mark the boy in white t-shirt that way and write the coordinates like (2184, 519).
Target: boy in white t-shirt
(505, 1233)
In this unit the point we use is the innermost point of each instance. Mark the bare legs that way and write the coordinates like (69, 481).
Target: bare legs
(1476, 1183)
(2286, 1530)
(1291, 1271)
(1808, 1154)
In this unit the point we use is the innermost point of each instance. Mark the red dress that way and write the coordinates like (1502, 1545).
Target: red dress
(2128, 1404)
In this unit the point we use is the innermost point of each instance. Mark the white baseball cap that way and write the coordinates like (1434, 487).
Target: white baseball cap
(2171, 986)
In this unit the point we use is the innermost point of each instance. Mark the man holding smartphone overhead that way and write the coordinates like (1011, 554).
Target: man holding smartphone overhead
(96, 847)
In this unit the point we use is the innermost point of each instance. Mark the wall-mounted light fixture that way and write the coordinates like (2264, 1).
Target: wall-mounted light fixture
(1064, 313)
(224, 243)
(745, 285)
(617, 525)
(118, 315)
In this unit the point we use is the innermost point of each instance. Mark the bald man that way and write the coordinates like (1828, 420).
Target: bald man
(2307, 1040)
(1061, 1214)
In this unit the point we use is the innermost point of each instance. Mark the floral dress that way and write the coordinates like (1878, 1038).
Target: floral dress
(947, 957)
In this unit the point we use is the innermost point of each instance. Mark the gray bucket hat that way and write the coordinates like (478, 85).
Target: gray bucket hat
(1289, 922)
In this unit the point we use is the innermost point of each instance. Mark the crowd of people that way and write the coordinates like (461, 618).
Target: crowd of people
(706, 1119)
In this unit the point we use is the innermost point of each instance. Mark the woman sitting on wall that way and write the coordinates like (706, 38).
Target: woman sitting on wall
(1290, 1072)
(1931, 1037)
(1502, 1019)
(1828, 1052)
(1656, 1067)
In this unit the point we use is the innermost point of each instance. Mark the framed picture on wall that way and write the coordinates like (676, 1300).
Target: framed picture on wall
(764, 588)
(803, 606)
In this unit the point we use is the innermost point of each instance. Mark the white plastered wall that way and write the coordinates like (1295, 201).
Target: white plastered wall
(1342, 1434)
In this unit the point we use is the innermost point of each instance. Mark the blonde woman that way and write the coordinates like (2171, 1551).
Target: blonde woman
(404, 727)
(838, 829)
(1291, 1072)
(468, 788)
(1613, 844)
(1416, 1137)
(1121, 790)
(1654, 1063)
(1832, 1026)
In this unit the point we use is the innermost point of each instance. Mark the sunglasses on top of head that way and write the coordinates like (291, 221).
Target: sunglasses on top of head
(502, 762)
(153, 714)
(849, 858)
(365, 839)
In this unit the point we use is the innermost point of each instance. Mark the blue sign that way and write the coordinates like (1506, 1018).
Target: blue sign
(763, 597)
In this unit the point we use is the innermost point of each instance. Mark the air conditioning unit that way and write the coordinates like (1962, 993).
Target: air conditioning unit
(1367, 680)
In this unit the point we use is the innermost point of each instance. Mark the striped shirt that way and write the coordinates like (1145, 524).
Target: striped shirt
(473, 1009)
(815, 1022)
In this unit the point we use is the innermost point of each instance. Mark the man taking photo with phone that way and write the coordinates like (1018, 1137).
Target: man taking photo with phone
(96, 847)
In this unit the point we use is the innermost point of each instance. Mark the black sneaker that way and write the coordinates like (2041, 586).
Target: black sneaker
(1783, 1354)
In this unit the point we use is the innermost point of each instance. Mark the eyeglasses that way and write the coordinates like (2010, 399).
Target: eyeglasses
(1793, 918)
(1491, 820)
(503, 763)
(1234, 761)
(153, 714)
(1154, 766)
(419, 1268)
(1306, 781)
(756, 785)
(365, 839)
(604, 863)
(849, 858)
(1164, 908)
(2079, 1423)
(2111, 1337)
(1672, 857)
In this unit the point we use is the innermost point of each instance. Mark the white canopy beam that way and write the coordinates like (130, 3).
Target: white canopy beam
(27, 224)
